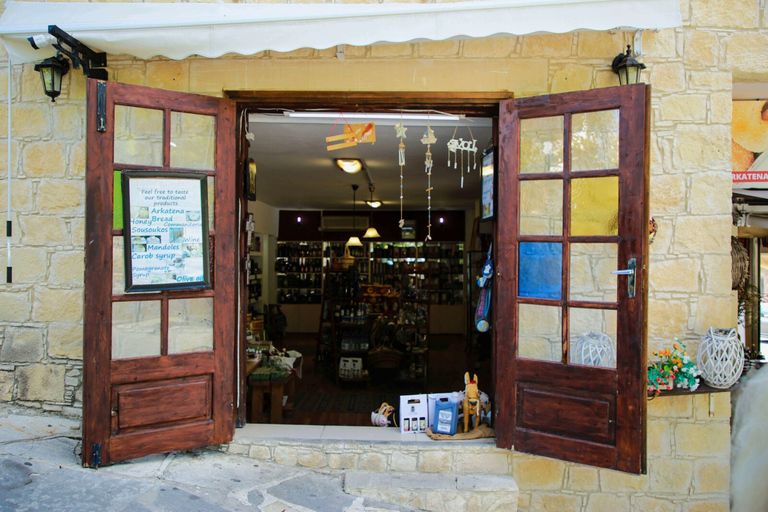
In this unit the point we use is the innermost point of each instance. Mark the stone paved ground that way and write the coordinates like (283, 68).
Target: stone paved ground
(40, 471)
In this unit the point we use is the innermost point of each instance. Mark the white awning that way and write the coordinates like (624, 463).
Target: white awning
(178, 30)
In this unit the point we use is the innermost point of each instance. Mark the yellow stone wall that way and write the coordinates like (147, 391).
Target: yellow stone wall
(691, 69)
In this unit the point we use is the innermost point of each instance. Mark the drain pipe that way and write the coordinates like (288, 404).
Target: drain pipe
(8, 222)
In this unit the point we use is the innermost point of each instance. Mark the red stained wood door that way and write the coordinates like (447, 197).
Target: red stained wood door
(158, 364)
(571, 248)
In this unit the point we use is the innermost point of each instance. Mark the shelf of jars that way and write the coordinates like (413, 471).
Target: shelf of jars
(299, 272)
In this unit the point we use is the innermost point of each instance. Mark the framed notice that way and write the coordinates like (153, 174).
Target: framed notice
(488, 205)
(165, 223)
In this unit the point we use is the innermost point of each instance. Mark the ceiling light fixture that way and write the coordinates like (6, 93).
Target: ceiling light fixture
(354, 241)
(433, 115)
(371, 231)
(371, 202)
(349, 165)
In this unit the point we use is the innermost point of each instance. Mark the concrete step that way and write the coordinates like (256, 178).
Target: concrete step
(436, 492)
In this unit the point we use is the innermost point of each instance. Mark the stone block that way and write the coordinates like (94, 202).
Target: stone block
(237, 449)
(572, 77)
(389, 51)
(538, 473)
(668, 193)
(32, 120)
(668, 77)
(438, 49)
(650, 504)
(61, 196)
(69, 122)
(171, 75)
(702, 234)
(131, 75)
(700, 48)
(376, 462)
(41, 382)
(260, 452)
(659, 438)
(725, 13)
(607, 503)
(667, 318)
(44, 159)
(618, 482)
(216, 75)
(688, 107)
(720, 411)
(601, 45)
(299, 53)
(721, 108)
(670, 475)
(543, 502)
(311, 459)
(710, 193)
(582, 478)
(483, 463)
(671, 407)
(702, 147)
(57, 305)
(47, 230)
(743, 58)
(711, 476)
(660, 43)
(22, 345)
(606, 79)
(710, 80)
(547, 45)
(286, 455)
(343, 460)
(6, 386)
(403, 462)
(67, 268)
(709, 505)
(29, 264)
(21, 194)
(677, 275)
(65, 340)
(489, 47)
(717, 274)
(77, 230)
(16, 306)
(712, 311)
(435, 462)
(76, 160)
(708, 439)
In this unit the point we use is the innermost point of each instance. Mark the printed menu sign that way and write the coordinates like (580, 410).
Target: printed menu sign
(167, 223)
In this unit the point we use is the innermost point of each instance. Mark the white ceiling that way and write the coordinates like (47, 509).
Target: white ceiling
(295, 170)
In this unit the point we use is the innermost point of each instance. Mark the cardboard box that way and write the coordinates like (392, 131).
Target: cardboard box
(413, 414)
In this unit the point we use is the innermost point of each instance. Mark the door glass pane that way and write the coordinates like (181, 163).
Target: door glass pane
(593, 337)
(541, 145)
(193, 141)
(541, 270)
(595, 206)
(118, 265)
(590, 272)
(211, 202)
(190, 325)
(595, 140)
(539, 333)
(138, 136)
(541, 207)
(135, 329)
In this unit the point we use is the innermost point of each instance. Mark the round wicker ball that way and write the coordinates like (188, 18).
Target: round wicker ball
(594, 349)
(721, 357)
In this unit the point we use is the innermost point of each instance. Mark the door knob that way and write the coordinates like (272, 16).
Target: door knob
(631, 277)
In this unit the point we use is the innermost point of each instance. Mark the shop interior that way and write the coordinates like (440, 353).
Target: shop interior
(363, 319)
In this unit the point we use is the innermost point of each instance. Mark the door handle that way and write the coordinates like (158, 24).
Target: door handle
(631, 277)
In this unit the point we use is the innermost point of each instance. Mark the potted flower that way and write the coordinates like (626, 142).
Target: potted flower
(674, 369)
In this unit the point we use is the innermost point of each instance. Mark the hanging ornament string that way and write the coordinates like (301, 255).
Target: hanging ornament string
(429, 139)
(400, 133)
(462, 146)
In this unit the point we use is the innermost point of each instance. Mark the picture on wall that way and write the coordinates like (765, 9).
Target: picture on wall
(749, 144)
(166, 219)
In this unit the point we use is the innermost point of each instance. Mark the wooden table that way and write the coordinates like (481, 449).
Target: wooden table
(276, 388)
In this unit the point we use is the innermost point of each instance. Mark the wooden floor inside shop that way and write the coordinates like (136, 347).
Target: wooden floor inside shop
(318, 400)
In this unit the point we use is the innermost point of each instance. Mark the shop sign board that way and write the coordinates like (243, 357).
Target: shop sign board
(749, 132)
(166, 219)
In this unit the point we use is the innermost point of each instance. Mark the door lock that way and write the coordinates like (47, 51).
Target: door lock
(631, 277)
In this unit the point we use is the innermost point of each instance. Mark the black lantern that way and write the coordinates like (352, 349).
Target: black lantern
(627, 67)
(51, 70)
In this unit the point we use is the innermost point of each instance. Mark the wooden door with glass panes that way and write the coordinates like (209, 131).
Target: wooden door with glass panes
(571, 252)
(158, 361)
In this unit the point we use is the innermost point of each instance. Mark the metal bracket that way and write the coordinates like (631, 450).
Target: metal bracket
(101, 106)
(637, 43)
(340, 51)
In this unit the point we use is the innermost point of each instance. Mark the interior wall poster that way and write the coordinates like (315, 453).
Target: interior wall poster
(749, 132)
(166, 220)
(487, 196)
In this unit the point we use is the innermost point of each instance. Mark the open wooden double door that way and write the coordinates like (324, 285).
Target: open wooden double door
(160, 366)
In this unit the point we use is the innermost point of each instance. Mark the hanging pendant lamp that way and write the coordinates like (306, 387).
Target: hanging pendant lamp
(354, 241)
(371, 231)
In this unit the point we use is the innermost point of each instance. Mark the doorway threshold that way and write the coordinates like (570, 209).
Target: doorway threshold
(334, 433)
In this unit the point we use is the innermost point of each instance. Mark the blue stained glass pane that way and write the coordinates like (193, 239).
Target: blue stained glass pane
(541, 270)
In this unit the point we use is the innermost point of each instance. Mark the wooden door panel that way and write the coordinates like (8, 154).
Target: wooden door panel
(162, 402)
(161, 440)
(125, 371)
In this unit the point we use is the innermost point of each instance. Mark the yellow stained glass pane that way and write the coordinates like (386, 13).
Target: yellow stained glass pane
(590, 272)
(190, 325)
(138, 136)
(595, 206)
(193, 141)
(135, 329)
(541, 207)
(595, 140)
(539, 333)
(593, 337)
(541, 145)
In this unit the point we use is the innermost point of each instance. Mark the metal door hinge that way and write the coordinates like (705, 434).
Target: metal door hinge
(101, 106)
(96, 455)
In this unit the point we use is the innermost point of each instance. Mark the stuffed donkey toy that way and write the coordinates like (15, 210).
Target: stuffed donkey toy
(471, 401)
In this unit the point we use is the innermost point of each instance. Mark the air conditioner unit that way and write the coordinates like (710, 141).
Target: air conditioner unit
(343, 223)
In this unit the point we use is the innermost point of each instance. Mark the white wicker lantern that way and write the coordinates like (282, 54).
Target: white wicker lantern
(721, 357)
(594, 349)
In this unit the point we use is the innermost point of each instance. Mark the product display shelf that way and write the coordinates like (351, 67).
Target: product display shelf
(299, 272)
(415, 304)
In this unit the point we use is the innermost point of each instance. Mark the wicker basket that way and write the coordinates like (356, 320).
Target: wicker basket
(347, 260)
(385, 359)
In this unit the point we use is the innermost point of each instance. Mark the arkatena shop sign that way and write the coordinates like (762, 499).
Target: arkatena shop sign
(749, 143)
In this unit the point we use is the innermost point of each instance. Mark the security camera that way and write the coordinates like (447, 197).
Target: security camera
(41, 41)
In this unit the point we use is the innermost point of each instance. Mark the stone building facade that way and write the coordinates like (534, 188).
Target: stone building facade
(692, 70)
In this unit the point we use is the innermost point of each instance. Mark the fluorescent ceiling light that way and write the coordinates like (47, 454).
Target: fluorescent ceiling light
(373, 204)
(435, 116)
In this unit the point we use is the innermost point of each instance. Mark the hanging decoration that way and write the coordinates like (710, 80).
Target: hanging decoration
(464, 147)
(400, 134)
(429, 139)
(353, 134)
